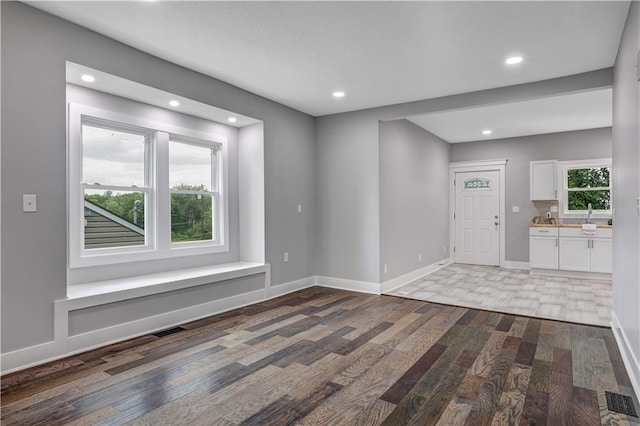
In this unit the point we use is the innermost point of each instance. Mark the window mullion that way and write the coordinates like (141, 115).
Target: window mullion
(163, 195)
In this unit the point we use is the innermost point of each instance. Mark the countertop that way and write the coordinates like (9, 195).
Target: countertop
(566, 225)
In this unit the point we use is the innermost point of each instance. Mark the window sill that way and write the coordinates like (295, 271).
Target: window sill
(97, 293)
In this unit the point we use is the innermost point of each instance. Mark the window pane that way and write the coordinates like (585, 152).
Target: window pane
(113, 219)
(579, 200)
(189, 166)
(112, 157)
(595, 177)
(191, 217)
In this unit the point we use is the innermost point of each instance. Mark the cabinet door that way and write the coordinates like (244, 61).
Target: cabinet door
(575, 254)
(542, 180)
(602, 255)
(543, 252)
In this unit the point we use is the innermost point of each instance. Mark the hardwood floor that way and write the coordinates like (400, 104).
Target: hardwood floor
(323, 356)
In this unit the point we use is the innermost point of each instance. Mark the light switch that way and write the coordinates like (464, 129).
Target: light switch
(299, 208)
(29, 203)
(515, 209)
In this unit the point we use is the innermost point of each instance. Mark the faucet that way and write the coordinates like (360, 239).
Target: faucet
(589, 211)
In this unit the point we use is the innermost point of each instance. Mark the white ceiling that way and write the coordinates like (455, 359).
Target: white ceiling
(578, 111)
(379, 53)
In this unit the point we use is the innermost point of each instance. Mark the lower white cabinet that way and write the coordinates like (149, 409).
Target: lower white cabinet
(575, 254)
(543, 248)
(602, 255)
(570, 249)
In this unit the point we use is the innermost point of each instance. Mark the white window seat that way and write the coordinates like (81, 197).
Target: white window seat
(97, 293)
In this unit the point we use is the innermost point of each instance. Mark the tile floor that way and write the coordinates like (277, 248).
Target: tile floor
(515, 291)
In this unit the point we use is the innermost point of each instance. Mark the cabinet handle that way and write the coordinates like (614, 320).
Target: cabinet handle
(593, 243)
(556, 242)
(555, 193)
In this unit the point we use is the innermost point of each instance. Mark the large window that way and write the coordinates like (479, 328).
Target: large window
(140, 190)
(584, 183)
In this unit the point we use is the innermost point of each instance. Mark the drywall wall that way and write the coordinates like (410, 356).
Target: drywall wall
(414, 198)
(626, 181)
(347, 170)
(35, 46)
(519, 151)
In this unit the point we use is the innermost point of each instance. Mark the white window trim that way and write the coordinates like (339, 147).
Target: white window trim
(158, 245)
(563, 212)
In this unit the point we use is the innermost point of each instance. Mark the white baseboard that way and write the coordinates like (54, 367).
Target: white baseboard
(116, 333)
(629, 358)
(27, 357)
(571, 274)
(290, 287)
(412, 276)
(344, 284)
(511, 264)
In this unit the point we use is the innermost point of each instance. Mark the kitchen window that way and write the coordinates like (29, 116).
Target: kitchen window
(586, 182)
(141, 190)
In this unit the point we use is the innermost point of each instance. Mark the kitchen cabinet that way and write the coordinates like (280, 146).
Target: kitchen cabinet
(543, 248)
(584, 252)
(570, 249)
(543, 180)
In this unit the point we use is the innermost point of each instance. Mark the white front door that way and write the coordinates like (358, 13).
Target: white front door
(477, 220)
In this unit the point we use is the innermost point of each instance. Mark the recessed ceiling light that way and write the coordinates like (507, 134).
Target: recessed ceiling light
(232, 119)
(338, 94)
(514, 60)
(88, 78)
(487, 132)
(174, 103)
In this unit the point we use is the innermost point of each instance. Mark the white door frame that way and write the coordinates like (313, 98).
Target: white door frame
(477, 166)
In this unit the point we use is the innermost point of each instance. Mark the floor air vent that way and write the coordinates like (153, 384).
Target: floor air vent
(621, 404)
(169, 331)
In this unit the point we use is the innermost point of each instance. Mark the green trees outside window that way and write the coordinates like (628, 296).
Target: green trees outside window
(191, 214)
(589, 185)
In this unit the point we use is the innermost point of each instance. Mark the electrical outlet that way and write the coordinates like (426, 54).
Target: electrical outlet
(29, 203)
(515, 209)
(299, 208)
(286, 257)
(554, 209)
(385, 268)
(420, 257)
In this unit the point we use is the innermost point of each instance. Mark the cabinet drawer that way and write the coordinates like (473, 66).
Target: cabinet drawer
(577, 232)
(542, 231)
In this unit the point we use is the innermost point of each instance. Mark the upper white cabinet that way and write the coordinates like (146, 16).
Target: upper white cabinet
(543, 180)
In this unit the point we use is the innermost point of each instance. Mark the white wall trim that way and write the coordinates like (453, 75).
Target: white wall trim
(571, 274)
(511, 264)
(628, 357)
(28, 357)
(478, 166)
(404, 279)
(119, 332)
(290, 287)
(345, 284)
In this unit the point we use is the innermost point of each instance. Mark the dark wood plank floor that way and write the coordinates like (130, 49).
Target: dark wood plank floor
(323, 356)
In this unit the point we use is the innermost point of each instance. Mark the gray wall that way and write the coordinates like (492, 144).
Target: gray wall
(414, 198)
(35, 46)
(577, 145)
(347, 167)
(626, 163)
(348, 237)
